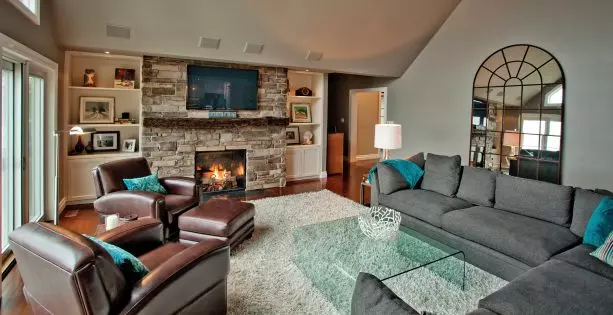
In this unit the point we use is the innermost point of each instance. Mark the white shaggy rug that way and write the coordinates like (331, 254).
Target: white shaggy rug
(264, 280)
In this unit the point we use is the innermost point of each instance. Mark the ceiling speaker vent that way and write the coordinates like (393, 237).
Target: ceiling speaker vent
(207, 42)
(314, 56)
(118, 31)
(251, 48)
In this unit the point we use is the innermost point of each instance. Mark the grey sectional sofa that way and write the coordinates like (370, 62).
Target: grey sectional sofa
(525, 231)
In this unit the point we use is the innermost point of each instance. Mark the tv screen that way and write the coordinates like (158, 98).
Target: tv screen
(211, 88)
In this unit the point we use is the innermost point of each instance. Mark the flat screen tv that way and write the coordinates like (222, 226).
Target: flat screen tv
(210, 88)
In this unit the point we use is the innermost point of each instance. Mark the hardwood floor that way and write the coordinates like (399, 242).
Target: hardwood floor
(347, 185)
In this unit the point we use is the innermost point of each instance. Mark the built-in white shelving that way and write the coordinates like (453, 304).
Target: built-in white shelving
(77, 179)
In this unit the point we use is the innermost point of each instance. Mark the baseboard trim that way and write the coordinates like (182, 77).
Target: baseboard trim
(61, 206)
(374, 156)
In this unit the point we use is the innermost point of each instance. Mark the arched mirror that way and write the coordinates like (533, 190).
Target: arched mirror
(518, 114)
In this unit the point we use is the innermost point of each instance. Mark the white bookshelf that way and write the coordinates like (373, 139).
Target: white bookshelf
(306, 161)
(77, 180)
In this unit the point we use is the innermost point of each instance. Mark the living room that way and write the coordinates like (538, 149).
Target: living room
(221, 158)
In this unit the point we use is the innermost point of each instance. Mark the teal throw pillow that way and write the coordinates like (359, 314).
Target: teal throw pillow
(148, 183)
(600, 224)
(132, 268)
(605, 251)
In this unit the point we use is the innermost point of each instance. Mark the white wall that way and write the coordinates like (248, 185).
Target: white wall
(432, 99)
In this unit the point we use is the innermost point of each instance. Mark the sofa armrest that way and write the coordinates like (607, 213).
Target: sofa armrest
(142, 203)
(374, 189)
(179, 185)
(208, 262)
(136, 237)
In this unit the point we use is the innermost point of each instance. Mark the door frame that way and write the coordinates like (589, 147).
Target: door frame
(353, 120)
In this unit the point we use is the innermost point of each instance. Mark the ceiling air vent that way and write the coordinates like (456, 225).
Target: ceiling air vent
(314, 56)
(251, 48)
(118, 31)
(210, 43)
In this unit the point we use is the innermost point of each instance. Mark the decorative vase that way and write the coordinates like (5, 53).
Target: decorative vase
(379, 222)
(79, 147)
(89, 148)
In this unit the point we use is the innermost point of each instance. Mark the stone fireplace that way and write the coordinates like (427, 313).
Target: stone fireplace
(173, 136)
(217, 171)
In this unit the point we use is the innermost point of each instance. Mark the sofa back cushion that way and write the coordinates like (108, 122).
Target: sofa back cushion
(390, 180)
(442, 174)
(585, 203)
(541, 200)
(477, 186)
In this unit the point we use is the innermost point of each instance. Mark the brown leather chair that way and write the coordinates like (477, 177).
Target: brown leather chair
(113, 196)
(66, 273)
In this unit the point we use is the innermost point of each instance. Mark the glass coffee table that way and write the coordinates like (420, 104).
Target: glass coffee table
(332, 254)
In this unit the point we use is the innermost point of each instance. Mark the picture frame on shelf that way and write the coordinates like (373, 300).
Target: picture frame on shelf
(128, 145)
(104, 141)
(301, 113)
(292, 135)
(125, 78)
(96, 110)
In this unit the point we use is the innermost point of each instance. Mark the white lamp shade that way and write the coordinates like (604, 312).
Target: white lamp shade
(388, 136)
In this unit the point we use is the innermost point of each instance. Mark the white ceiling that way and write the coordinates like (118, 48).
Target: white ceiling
(379, 38)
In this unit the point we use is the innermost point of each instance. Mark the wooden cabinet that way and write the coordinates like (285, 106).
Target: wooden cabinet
(303, 162)
(335, 153)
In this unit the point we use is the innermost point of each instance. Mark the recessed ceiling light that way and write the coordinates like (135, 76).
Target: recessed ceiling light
(307, 70)
(107, 52)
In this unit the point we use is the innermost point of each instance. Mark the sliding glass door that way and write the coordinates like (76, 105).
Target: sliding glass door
(11, 149)
(22, 175)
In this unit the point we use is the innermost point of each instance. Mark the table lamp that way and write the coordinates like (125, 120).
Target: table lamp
(388, 137)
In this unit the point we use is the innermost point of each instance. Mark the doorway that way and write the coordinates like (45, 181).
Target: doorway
(368, 108)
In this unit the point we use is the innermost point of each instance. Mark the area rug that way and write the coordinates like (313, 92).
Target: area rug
(264, 280)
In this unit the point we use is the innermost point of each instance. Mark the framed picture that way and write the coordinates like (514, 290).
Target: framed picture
(105, 140)
(292, 135)
(96, 110)
(128, 145)
(301, 113)
(125, 78)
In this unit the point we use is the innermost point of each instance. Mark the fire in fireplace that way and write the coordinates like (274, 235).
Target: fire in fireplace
(220, 170)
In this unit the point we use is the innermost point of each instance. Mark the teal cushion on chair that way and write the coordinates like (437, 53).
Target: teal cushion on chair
(148, 183)
(600, 224)
(132, 268)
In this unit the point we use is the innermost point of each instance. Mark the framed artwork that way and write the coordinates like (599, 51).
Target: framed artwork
(105, 140)
(128, 145)
(125, 78)
(292, 135)
(96, 110)
(301, 113)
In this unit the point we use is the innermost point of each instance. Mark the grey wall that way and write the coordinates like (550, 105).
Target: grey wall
(432, 99)
(338, 99)
(40, 38)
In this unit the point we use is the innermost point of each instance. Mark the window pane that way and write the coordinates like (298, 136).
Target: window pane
(8, 86)
(36, 148)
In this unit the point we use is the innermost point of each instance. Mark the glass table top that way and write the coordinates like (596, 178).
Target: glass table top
(332, 254)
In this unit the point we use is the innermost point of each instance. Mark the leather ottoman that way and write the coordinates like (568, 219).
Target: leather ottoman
(228, 220)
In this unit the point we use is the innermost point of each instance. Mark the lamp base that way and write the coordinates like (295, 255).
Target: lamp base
(385, 154)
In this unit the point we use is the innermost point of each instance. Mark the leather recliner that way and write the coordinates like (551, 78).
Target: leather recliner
(114, 198)
(66, 273)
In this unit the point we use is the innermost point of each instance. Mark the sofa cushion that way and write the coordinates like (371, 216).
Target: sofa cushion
(371, 296)
(442, 174)
(418, 159)
(528, 240)
(580, 257)
(541, 200)
(553, 288)
(477, 186)
(390, 179)
(423, 204)
(585, 203)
